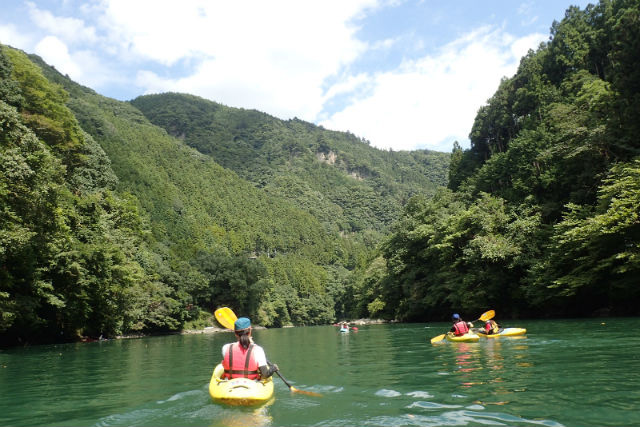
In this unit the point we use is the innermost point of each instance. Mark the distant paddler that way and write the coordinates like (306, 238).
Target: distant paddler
(460, 327)
(491, 327)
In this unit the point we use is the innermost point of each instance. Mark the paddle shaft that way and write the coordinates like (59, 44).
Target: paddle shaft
(284, 380)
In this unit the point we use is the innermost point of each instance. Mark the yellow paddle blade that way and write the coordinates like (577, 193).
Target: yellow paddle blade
(438, 338)
(226, 317)
(487, 315)
(308, 393)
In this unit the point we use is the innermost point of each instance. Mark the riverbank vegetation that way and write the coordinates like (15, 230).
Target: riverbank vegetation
(144, 216)
(541, 213)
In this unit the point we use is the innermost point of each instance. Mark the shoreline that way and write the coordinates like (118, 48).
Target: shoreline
(206, 330)
(214, 329)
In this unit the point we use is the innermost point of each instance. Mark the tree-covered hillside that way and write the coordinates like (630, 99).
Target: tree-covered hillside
(75, 257)
(110, 225)
(144, 216)
(541, 217)
(347, 184)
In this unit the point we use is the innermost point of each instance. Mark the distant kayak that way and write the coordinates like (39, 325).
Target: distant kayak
(344, 329)
(239, 391)
(468, 337)
(506, 332)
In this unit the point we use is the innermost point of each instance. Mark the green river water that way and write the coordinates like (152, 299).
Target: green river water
(563, 373)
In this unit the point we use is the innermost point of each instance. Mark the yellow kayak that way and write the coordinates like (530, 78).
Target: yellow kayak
(239, 391)
(506, 332)
(468, 337)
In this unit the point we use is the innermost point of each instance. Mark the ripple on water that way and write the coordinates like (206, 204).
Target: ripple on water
(179, 396)
(458, 418)
(325, 389)
(388, 393)
(187, 408)
(431, 405)
(421, 394)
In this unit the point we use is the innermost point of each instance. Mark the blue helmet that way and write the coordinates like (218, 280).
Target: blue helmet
(455, 316)
(242, 323)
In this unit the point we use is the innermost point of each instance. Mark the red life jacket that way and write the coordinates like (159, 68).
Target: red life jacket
(240, 363)
(461, 328)
(491, 327)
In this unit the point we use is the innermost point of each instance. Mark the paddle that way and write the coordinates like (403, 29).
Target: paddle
(488, 315)
(296, 390)
(227, 318)
(438, 338)
(484, 317)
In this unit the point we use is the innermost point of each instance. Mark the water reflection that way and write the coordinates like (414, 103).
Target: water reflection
(258, 417)
(467, 362)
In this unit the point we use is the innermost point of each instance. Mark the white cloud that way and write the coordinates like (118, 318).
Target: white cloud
(526, 9)
(55, 52)
(275, 58)
(83, 66)
(70, 30)
(432, 101)
(284, 57)
(171, 31)
(349, 85)
(12, 36)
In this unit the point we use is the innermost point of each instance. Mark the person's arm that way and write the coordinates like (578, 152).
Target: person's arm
(269, 369)
(225, 348)
(266, 368)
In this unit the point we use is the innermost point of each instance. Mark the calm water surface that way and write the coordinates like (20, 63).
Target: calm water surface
(563, 373)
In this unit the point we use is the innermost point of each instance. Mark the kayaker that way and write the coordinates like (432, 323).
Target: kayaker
(491, 327)
(460, 327)
(245, 359)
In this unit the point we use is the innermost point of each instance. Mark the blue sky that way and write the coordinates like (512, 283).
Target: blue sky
(403, 74)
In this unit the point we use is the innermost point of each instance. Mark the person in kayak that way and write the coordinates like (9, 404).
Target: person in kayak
(491, 327)
(244, 358)
(460, 327)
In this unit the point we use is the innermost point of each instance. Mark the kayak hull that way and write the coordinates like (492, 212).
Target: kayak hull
(344, 331)
(506, 332)
(468, 337)
(239, 391)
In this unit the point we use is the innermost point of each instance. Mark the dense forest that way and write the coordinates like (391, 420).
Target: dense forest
(111, 225)
(144, 216)
(541, 214)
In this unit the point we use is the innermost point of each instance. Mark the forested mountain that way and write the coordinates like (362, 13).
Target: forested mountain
(110, 225)
(541, 217)
(336, 176)
(144, 216)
